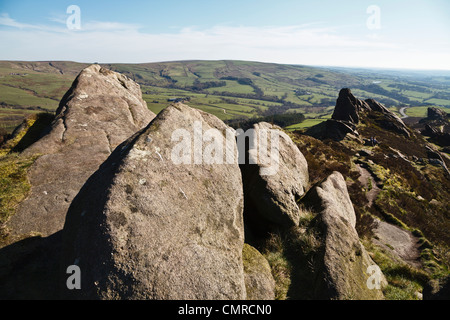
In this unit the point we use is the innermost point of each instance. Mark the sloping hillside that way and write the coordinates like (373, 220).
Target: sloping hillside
(227, 89)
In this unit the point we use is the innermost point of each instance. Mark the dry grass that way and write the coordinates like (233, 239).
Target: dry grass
(291, 254)
(14, 183)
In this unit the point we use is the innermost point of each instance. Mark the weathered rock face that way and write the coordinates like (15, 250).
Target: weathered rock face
(345, 117)
(331, 197)
(400, 243)
(435, 158)
(259, 281)
(348, 107)
(436, 136)
(437, 127)
(434, 113)
(100, 111)
(350, 111)
(274, 193)
(144, 227)
(343, 268)
(333, 129)
(388, 120)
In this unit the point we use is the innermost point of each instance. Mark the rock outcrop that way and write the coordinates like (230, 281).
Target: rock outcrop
(434, 113)
(331, 197)
(275, 183)
(385, 118)
(145, 227)
(436, 126)
(343, 268)
(435, 158)
(349, 112)
(100, 111)
(348, 107)
(400, 243)
(333, 129)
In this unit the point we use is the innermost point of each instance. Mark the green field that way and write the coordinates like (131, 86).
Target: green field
(227, 89)
(305, 124)
(17, 96)
(421, 112)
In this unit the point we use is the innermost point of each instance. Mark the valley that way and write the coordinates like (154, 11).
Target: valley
(231, 90)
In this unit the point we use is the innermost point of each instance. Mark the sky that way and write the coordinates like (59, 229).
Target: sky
(398, 34)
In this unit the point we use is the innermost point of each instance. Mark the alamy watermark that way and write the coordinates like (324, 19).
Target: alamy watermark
(374, 20)
(73, 282)
(215, 147)
(73, 21)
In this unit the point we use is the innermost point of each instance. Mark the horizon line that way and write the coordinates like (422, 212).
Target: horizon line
(252, 61)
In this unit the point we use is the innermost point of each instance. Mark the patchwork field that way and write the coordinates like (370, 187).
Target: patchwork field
(228, 89)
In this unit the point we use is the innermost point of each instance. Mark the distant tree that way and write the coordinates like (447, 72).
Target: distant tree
(199, 86)
(245, 81)
(281, 120)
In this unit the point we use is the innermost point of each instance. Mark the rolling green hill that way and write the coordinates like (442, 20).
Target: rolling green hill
(228, 89)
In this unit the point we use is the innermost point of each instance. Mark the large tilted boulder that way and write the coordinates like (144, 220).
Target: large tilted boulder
(148, 225)
(344, 267)
(275, 182)
(100, 111)
(331, 197)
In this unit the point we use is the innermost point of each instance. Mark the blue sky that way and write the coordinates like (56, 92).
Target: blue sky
(413, 34)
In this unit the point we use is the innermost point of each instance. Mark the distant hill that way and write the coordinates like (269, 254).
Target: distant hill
(228, 89)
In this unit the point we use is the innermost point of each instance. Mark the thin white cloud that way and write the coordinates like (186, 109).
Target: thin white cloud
(6, 20)
(303, 44)
(58, 17)
(109, 26)
(90, 26)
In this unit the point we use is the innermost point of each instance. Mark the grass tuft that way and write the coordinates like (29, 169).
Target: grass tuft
(404, 281)
(14, 184)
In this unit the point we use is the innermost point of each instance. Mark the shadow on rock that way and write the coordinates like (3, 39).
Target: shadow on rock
(29, 269)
